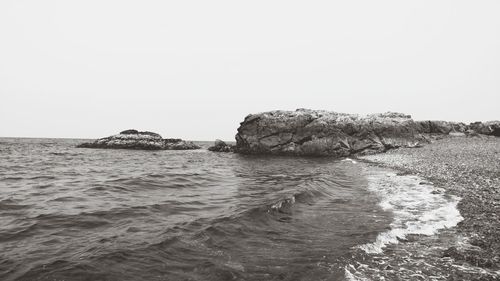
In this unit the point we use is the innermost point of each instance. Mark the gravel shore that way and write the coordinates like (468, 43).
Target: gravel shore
(466, 167)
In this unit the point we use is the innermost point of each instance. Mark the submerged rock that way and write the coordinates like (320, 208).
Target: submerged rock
(133, 139)
(221, 146)
(325, 133)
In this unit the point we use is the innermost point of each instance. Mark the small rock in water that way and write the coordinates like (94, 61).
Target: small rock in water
(221, 146)
(134, 139)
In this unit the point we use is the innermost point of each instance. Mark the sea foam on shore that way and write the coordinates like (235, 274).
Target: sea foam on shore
(467, 167)
(418, 208)
(421, 213)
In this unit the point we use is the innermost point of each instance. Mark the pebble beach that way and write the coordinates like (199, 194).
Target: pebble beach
(468, 167)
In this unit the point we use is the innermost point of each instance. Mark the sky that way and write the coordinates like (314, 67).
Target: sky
(194, 69)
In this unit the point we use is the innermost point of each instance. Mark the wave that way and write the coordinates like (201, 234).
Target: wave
(11, 178)
(37, 177)
(71, 154)
(418, 208)
(281, 205)
(159, 181)
(12, 205)
(43, 177)
(253, 217)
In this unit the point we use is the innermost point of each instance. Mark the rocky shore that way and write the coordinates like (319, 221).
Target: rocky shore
(464, 159)
(133, 139)
(470, 168)
(306, 132)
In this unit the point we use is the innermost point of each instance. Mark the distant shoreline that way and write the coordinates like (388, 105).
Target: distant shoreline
(88, 139)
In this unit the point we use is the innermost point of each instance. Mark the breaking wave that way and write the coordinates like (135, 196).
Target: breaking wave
(419, 208)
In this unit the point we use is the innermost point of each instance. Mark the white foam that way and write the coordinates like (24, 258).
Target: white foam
(350, 160)
(354, 275)
(417, 208)
(279, 204)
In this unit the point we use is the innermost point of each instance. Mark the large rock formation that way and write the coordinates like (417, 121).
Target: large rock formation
(324, 133)
(133, 139)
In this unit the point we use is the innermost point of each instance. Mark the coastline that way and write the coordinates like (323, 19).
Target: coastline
(468, 168)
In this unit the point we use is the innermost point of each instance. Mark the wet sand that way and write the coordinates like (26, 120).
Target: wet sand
(466, 167)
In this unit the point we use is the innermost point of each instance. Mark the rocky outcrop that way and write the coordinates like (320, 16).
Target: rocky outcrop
(491, 128)
(324, 133)
(133, 139)
(440, 127)
(221, 146)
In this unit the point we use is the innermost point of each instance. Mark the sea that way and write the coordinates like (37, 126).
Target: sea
(70, 213)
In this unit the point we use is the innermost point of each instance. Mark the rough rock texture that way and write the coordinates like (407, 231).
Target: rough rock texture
(133, 139)
(221, 146)
(486, 128)
(324, 133)
(440, 127)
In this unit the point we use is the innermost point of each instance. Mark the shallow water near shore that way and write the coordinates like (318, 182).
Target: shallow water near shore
(93, 214)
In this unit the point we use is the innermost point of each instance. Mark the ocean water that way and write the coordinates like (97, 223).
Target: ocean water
(71, 213)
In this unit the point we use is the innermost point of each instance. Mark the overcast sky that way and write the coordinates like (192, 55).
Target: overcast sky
(195, 69)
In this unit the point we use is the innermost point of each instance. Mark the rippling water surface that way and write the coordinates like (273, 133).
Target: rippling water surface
(90, 214)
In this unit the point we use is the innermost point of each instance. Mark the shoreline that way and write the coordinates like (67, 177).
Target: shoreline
(464, 167)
